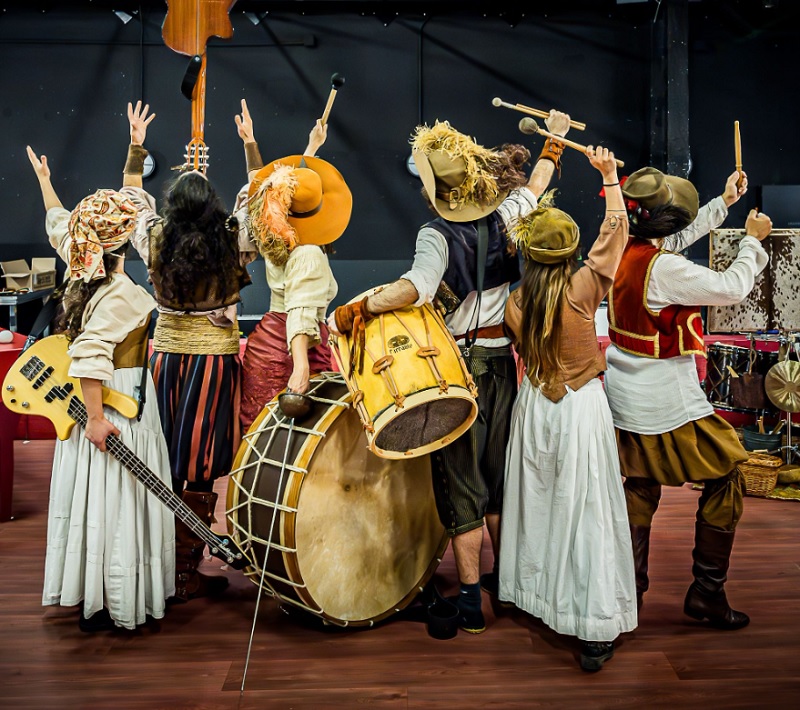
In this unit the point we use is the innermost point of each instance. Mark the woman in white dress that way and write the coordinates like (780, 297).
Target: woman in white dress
(565, 544)
(110, 544)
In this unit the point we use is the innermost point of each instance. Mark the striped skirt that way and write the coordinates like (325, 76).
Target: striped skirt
(198, 400)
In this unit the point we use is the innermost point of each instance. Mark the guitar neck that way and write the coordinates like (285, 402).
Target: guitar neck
(199, 104)
(165, 494)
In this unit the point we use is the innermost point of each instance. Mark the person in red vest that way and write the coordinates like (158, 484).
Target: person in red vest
(667, 431)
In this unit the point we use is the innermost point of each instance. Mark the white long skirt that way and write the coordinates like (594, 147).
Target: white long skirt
(565, 549)
(109, 541)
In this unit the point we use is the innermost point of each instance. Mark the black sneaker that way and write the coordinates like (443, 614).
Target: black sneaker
(99, 621)
(595, 653)
(470, 619)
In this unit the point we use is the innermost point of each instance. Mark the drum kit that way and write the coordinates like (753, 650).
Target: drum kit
(756, 381)
(330, 495)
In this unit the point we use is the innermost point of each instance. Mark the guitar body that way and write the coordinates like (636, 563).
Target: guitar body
(39, 383)
(189, 24)
(30, 378)
(186, 29)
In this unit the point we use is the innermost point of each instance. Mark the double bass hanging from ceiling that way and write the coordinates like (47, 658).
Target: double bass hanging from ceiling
(186, 30)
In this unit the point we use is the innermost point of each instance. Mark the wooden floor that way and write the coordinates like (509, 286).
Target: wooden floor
(194, 657)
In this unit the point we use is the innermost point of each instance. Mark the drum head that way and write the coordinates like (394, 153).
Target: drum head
(354, 537)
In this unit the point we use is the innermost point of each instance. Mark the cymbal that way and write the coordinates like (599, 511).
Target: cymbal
(782, 384)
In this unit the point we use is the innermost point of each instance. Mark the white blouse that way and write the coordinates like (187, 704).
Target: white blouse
(650, 396)
(303, 288)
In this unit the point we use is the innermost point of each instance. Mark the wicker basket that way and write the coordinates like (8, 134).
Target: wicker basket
(760, 474)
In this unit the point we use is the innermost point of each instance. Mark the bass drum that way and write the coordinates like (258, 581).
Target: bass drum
(347, 536)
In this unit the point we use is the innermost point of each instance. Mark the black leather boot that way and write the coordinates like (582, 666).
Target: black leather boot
(189, 583)
(706, 597)
(640, 540)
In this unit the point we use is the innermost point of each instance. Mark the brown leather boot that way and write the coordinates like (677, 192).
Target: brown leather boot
(640, 540)
(189, 583)
(706, 597)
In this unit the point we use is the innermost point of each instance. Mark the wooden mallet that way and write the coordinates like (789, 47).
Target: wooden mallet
(534, 112)
(737, 146)
(337, 80)
(529, 127)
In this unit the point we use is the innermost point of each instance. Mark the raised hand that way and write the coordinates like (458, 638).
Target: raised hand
(557, 122)
(244, 124)
(139, 121)
(602, 159)
(40, 166)
(731, 193)
(758, 225)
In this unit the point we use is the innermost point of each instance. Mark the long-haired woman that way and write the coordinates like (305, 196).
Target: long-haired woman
(565, 544)
(196, 253)
(110, 544)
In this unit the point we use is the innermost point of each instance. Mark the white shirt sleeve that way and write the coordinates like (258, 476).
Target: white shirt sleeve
(146, 217)
(676, 280)
(430, 263)
(710, 216)
(519, 203)
(432, 253)
(57, 227)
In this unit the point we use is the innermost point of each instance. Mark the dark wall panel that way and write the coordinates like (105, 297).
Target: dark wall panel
(66, 76)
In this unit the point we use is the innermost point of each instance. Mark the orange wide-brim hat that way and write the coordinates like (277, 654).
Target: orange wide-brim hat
(320, 209)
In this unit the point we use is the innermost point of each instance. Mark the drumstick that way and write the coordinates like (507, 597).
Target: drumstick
(337, 80)
(737, 147)
(529, 127)
(777, 429)
(534, 112)
(733, 372)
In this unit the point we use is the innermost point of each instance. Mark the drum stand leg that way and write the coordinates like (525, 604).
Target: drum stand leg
(266, 554)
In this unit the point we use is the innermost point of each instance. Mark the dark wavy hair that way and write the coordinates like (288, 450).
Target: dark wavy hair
(198, 241)
(662, 221)
(74, 296)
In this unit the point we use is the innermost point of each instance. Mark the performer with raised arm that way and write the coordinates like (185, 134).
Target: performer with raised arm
(565, 552)
(667, 431)
(477, 193)
(298, 206)
(110, 545)
(196, 252)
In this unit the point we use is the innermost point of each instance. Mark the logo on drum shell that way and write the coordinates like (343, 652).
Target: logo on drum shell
(399, 343)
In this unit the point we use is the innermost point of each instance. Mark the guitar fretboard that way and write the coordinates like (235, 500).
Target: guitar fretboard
(38, 373)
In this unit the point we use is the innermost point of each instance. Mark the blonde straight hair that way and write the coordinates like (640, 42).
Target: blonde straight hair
(543, 287)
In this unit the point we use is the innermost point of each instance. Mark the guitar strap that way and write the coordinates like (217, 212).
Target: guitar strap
(43, 320)
(191, 76)
(143, 383)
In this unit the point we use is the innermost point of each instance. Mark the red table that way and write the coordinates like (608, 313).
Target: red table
(9, 352)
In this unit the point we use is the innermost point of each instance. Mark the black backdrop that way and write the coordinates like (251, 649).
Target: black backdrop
(68, 70)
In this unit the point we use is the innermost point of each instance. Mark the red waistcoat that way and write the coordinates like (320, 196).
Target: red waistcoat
(633, 327)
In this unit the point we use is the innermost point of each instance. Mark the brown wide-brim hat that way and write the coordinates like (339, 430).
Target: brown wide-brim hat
(651, 188)
(458, 174)
(327, 204)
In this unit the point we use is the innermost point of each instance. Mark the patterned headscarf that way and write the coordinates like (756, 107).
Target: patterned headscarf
(101, 222)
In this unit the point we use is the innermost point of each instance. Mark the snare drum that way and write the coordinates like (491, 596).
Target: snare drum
(718, 375)
(414, 395)
(347, 536)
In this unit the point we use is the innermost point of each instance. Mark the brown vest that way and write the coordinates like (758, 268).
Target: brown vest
(579, 352)
(130, 352)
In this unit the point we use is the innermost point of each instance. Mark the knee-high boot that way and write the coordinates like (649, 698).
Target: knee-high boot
(640, 540)
(706, 597)
(189, 583)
